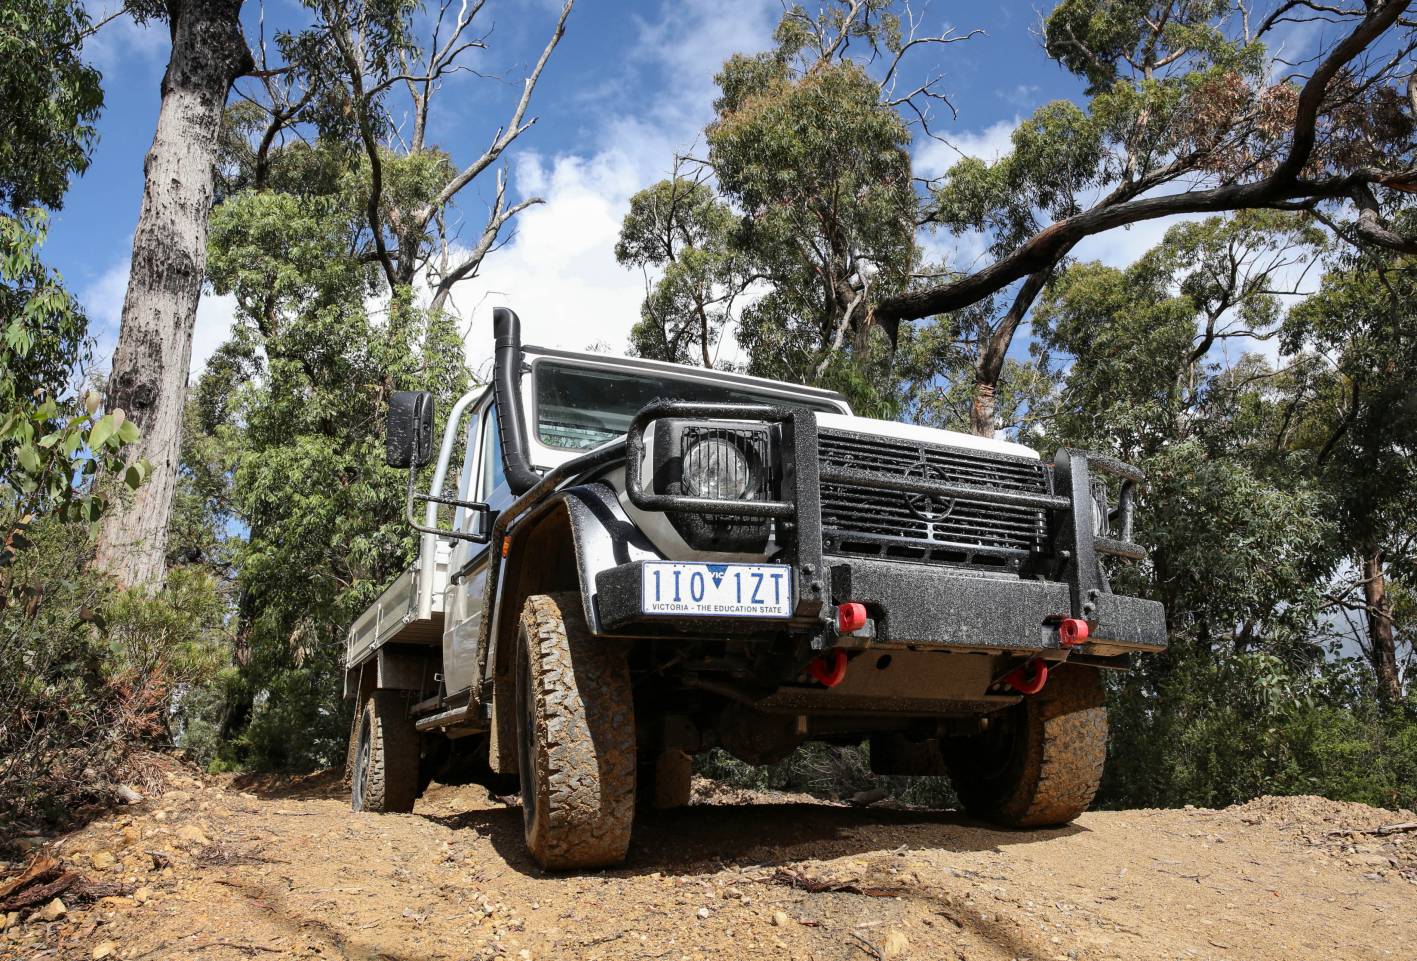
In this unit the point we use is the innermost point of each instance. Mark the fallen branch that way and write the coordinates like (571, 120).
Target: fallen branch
(813, 885)
(45, 879)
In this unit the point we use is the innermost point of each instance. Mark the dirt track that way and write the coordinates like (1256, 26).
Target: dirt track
(278, 870)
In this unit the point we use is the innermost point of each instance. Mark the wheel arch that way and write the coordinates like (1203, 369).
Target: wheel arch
(559, 547)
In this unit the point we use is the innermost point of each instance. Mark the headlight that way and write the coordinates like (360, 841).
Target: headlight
(715, 468)
(715, 460)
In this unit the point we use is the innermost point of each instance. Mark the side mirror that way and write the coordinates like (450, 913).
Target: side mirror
(408, 440)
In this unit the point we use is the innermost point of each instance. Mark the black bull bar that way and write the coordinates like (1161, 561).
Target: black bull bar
(964, 611)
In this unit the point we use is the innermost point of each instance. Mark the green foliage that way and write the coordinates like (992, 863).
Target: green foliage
(287, 440)
(52, 444)
(88, 675)
(1362, 412)
(681, 228)
(1093, 39)
(812, 205)
(49, 101)
(1214, 727)
(1247, 527)
(818, 165)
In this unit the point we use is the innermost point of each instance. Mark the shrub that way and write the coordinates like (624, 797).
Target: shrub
(825, 770)
(88, 673)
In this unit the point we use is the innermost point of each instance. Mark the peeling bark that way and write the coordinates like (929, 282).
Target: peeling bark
(149, 378)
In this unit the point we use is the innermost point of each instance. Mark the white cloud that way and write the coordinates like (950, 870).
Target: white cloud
(103, 302)
(933, 157)
(122, 43)
(559, 271)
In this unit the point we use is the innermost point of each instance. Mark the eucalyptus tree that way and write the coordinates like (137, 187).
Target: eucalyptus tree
(1185, 115)
(291, 408)
(804, 202)
(680, 227)
(336, 75)
(149, 372)
(1186, 111)
(1159, 367)
(1356, 420)
(336, 235)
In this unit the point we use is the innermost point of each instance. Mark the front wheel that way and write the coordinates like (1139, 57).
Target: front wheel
(1040, 762)
(576, 738)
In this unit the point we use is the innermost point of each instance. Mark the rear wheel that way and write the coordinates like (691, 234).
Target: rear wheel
(576, 738)
(384, 776)
(1040, 762)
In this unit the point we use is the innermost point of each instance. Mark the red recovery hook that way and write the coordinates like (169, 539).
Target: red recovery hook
(828, 672)
(1072, 632)
(1028, 678)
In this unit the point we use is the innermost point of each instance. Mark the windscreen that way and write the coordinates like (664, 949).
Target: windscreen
(578, 408)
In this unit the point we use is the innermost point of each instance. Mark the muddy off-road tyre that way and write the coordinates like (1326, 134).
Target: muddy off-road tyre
(1040, 762)
(666, 780)
(575, 738)
(384, 776)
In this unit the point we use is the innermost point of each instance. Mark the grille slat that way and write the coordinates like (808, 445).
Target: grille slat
(870, 521)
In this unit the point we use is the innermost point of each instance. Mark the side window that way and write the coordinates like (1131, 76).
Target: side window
(492, 482)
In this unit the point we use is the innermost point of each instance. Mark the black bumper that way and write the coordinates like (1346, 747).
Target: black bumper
(917, 606)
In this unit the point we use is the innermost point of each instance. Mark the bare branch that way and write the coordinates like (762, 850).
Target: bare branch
(496, 219)
(515, 127)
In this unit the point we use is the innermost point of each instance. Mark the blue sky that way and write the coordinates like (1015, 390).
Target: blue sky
(630, 84)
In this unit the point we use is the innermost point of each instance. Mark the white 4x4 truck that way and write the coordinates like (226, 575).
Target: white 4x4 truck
(643, 561)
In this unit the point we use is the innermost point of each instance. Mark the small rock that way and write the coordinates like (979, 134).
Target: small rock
(127, 795)
(9, 920)
(703, 913)
(102, 860)
(1370, 860)
(779, 919)
(895, 945)
(105, 950)
(52, 911)
(190, 832)
(143, 894)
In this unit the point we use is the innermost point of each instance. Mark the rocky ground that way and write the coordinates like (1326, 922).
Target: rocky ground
(229, 869)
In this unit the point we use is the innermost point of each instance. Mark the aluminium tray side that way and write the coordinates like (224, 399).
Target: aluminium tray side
(394, 616)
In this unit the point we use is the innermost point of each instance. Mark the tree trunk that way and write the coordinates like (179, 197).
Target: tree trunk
(149, 379)
(982, 404)
(1382, 645)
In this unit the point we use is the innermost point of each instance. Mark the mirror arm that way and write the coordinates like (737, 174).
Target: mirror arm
(475, 506)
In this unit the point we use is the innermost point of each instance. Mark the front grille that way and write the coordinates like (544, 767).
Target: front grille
(863, 520)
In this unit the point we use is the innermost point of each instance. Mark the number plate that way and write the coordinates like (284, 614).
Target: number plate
(696, 589)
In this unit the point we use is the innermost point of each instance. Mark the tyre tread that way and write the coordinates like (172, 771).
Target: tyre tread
(584, 742)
